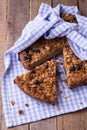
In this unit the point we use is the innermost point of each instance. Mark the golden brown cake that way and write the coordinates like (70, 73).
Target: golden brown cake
(41, 51)
(40, 83)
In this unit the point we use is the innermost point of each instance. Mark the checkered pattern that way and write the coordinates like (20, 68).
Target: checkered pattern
(49, 24)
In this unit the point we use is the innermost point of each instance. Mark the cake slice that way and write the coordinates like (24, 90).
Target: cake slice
(69, 18)
(40, 83)
(41, 51)
(76, 70)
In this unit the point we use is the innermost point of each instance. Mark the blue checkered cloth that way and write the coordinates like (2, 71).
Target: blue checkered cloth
(49, 24)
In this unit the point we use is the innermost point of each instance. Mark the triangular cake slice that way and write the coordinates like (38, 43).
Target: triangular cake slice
(40, 83)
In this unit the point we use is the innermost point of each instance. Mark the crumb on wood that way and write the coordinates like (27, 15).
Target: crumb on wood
(26, 104)
(12, 102)
(65, 96)
(20, 112)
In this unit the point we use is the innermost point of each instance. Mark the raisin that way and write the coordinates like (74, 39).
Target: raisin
(29, 56)
(79, 66)
(36, 50)
(33, 71)
(72, 69)
(36, 82)
(46, 67)
(25, 57)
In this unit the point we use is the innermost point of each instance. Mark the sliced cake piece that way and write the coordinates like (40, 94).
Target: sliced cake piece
(40, 83)
(41, 51)
(69, 18)
(76, 70)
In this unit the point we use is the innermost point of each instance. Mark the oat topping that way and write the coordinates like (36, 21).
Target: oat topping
(43, 84)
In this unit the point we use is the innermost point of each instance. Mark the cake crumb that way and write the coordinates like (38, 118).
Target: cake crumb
(58, 108)
(20, 112)
(26, 104)
(12, 102)
(65, 97)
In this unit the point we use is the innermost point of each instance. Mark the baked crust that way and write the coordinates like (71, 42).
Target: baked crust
(40, 83)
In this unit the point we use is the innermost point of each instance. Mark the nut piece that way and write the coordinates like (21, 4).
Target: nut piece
(20, 112)
(12, 102)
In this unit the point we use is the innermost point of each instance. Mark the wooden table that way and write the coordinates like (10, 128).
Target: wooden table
(14, 14)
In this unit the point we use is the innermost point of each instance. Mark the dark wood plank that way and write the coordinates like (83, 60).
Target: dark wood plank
(83, 7)
(65, 2)
(48, 124)
(17, 15)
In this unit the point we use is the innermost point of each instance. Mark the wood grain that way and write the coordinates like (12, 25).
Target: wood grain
(3, 48)
(83, 7)
(16, 18)
(47, 124)
(34, 6)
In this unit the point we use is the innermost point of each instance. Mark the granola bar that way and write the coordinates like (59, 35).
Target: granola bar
(76, 70)
(41, 51)
(40, 83)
